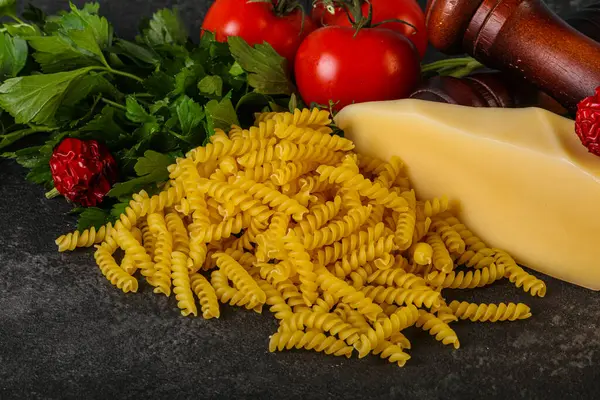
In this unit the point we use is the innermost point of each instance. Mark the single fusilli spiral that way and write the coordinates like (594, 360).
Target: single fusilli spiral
(397, 277)
(257, 157)
(313, 118)
(436, 327)
(115, 274)
(490, 312)
(435, 206)
(311, 340)
(161, 278)
(86, 238)
(304, 267)
(384, 327)
(181, 241)
(290, 151)
(223, 230)
(182, 285)
(313, 184)
(467, 280)
(291, 171)
(392, 352)
(420, 296)
(308, 136)
(326, 322)
(207, 296)
(406, 222)
(280, 309)
(441, 257)
(518, 275)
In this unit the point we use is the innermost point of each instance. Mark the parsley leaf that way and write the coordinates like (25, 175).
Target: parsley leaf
(8, 8)
(220, 115)
(211, 85)
(13, 55)
(190, 115)
(267, 69)
(35, 98)
(57, 53)
(135, 112)
(92, 216)
(151, 168)
(141, 55)
(165, 28)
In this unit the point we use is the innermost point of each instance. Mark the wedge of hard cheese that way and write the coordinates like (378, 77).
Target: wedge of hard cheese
(523, 179)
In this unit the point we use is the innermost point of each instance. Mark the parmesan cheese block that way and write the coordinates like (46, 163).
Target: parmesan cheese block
(523, 180)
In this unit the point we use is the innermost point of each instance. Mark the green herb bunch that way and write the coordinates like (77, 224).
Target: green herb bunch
(149, 100)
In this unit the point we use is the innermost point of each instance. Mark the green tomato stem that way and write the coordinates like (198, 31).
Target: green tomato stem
(52, 193)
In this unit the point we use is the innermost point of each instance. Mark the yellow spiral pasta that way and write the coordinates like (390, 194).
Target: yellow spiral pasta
(338, 229)
(206, 296)
(291, 171)
(374, 191)
(329, 254)
(115, 274)
(313, 118)
(313, 137)
(467, 280)
(161, 278)
(86, 238)
(441, 259)
(435, 206)
(234, 271)
(490, 312)
(229, 295)
(223, 230)
(318, 216)
(406, 222)
(135, 250)
(335, 244)
(397, 277)
(454, 243)
(179, 232)
(421, 297)
(518, 275)
(311, 340)
(272, 197)
(257, 157)
(436, 327)
(347, 294)
(182, 284)
(363, 255)
(290, 151)
(304, 267)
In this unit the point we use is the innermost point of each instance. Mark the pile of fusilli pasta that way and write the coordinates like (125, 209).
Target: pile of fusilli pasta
(336, 244)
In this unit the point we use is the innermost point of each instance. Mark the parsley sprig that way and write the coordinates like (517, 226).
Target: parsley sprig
(149, 100)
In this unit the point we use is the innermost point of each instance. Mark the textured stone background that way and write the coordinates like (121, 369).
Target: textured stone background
(65, 333)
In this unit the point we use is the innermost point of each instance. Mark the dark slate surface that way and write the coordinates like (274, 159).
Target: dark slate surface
(65, 333)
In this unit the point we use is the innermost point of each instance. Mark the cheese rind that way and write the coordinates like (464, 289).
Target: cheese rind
(523, 179)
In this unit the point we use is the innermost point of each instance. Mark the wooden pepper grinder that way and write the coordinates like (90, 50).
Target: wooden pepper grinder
(521, 37)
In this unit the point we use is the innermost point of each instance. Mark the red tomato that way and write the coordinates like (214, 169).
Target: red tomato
(257, 23)
(404, 10)
(377, 64)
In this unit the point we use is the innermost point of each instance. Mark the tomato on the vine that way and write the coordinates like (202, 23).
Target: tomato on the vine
(327, 12)
(342, 65)
(282, 23)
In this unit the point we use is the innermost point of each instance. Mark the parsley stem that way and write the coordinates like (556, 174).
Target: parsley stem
(125, 74)
(18, 20)
(114, 104)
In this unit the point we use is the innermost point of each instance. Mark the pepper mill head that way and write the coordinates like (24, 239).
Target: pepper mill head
(447, 21)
